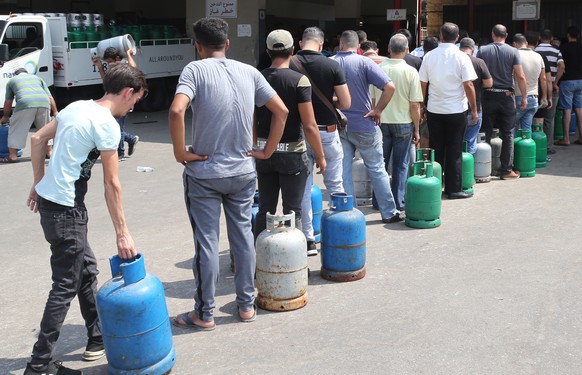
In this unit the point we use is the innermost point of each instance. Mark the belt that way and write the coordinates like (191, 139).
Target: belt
(498, 90)
(327, 128)
(298, 146)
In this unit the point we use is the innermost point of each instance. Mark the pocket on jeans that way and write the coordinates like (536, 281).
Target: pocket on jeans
(292, 163)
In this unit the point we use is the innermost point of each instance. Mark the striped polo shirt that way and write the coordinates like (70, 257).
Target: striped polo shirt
(552, 54)
(29, 91)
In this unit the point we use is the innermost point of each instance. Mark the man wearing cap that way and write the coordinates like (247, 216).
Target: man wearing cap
(219, 172)
(363, 133)
(34, 103)
(286, 170)
(484, 80)
(328, 76)
(450, 74)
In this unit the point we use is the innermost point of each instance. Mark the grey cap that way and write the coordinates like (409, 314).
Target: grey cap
(467, 43)
(279, 40)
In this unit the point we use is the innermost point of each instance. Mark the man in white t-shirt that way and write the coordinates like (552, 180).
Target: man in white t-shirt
(83, 131)
(534, 70)
(450, 74)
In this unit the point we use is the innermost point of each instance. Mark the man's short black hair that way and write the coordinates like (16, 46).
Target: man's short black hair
(369, 44)
(546, 35)
(313, 33)
(362, 36)
(573, 32)
(211, 32)
(111, 53)
(532, 37)
(429, 43)
(406, 33)
(519, 39)
(280, 53)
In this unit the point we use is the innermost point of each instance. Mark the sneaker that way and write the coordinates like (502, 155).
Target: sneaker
(311, 249)
(394, 219)
(94, 350)
(54, 368)
(132, 145)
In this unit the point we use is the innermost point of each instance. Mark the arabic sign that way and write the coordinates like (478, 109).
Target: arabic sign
(222, 9)
(395, 14)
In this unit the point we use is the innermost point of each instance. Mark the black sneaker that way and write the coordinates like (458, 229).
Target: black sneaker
(54, 368)
(94, 349)
(311, 249)
(132, 145)
(394, 219)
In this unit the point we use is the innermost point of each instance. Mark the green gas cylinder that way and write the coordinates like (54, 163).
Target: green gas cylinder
(541, 141)
(558, 126)
(524, 159)
(423, 197)
(468, 167)
(427, 155)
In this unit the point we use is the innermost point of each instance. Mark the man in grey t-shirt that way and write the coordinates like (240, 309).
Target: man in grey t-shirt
(498, 103)
(219, 170)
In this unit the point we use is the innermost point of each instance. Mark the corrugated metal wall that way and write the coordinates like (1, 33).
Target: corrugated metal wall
(556, 16)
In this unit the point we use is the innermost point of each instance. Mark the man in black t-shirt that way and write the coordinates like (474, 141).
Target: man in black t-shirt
(286, 170)
(328, 76)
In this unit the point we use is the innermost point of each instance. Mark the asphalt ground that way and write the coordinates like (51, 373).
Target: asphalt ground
(496, 289)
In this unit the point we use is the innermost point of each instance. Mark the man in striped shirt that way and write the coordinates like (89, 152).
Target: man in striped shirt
(33, 105)
(554, 59)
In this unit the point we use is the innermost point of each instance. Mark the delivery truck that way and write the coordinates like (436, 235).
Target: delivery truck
(47, 45)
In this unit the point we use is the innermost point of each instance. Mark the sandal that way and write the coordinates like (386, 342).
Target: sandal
(8, 160)
(561, 143)
(252, 318)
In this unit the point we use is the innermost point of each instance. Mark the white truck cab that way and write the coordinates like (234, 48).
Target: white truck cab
(40, 44)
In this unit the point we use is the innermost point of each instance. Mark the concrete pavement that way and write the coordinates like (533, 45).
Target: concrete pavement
(496, 289)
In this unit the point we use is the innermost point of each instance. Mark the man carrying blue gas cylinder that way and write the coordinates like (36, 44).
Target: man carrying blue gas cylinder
(82, 132)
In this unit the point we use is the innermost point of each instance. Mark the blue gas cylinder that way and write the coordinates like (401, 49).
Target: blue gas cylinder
(255, 210)
(134, 320)
(317, 211)
(343, 240)
(3, 141)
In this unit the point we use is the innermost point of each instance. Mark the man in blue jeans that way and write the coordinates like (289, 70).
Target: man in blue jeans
(327, 75)
(363, 133)
(401, 117)
(83, 132)
(534, 70)
(569, 77)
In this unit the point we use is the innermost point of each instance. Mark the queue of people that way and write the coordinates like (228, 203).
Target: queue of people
(274, 126)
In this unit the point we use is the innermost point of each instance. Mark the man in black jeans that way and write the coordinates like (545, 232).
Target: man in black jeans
(286, 170)
(82, 132)
(503, 61)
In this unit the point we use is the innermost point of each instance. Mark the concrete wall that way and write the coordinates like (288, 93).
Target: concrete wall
(241, 48)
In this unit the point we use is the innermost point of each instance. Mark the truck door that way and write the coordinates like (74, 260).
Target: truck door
(29, 47)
